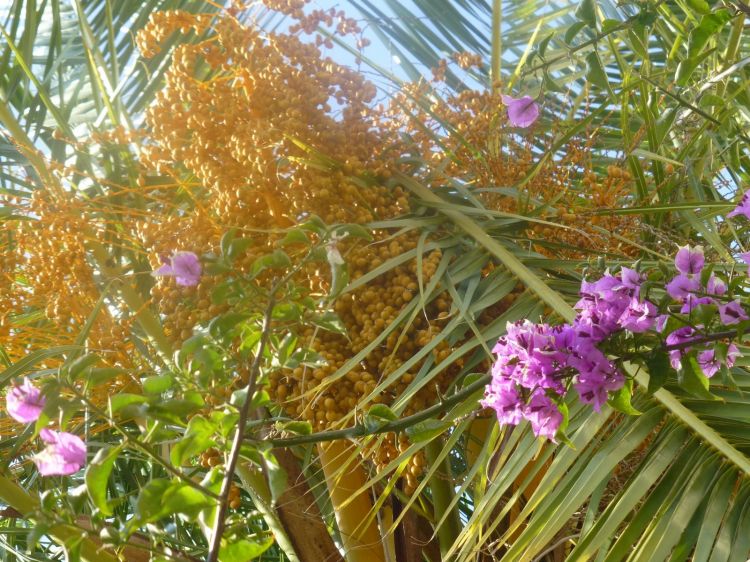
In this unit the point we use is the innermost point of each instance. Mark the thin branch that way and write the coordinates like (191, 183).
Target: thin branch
(234, 454)
(703, 339)
(360, 430)
(242, 422)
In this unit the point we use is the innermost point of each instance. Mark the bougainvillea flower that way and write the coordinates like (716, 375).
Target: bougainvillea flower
(715, 286)
(522, 112)
(732, 313)
(746, 258)
(682, 286)
(709, 363)
(679, 337)
(733, 353)
(639, 316)
(544, 415)
(743, 208)
(631, 279)
(689, 260)
(503, 397)
(185, 267)
(64, 454)
(691, 302)
(25, 402)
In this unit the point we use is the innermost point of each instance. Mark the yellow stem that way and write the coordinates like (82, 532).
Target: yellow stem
(362, 543)
(497, 42)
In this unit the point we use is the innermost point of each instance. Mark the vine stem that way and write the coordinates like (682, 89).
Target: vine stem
(361, 430)
(234, 454)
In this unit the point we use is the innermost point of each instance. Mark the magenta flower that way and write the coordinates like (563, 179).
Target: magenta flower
(679, 337)
(732, 313)
(743, 208)
(631, 279)
(692, 302)
(185, 267)
(638, 316)
(680, 287)
(715, 286)
(689, 260)
(64, 454)
(522, 112)
(503, 397)
(595, 387)
(746, 258)
(25, 402)
(732, 354)
(544, 416)
(709, 363)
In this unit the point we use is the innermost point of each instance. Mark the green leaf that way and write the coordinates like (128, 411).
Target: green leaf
(242, 550)
(703, 314)
(692, 379)
(276, 475)
(298, 427)
(275, 260)
(78, 366)
(99, 375)
(573, 30)
(121, 400)
(198, 437)
(174, 410)
(620, 400)
(596, 74)
(709, 25)
(314, 224)
(353, 230)
(157, 384)
(700, 6)
(586, 12)
(329, 321)
(659, 369)
(226, 240)
(97, 476)
(295, 236)
(378, 416)
(544, 43)
(339, 279)
(162, 498)
(382, 411)
(237, 247)
(225, 325)
(427, 430)
(149, 506)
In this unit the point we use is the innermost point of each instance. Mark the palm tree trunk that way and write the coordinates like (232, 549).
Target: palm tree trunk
(344, 477)
(300, 516)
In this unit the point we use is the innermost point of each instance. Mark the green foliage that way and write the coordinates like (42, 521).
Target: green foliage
(663, 86)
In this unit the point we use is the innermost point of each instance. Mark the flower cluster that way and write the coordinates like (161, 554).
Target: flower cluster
(64, 453)
(536, 361)
(537, 365)
(689, 292)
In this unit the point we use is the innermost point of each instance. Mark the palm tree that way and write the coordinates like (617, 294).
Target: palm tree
(641, 145)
